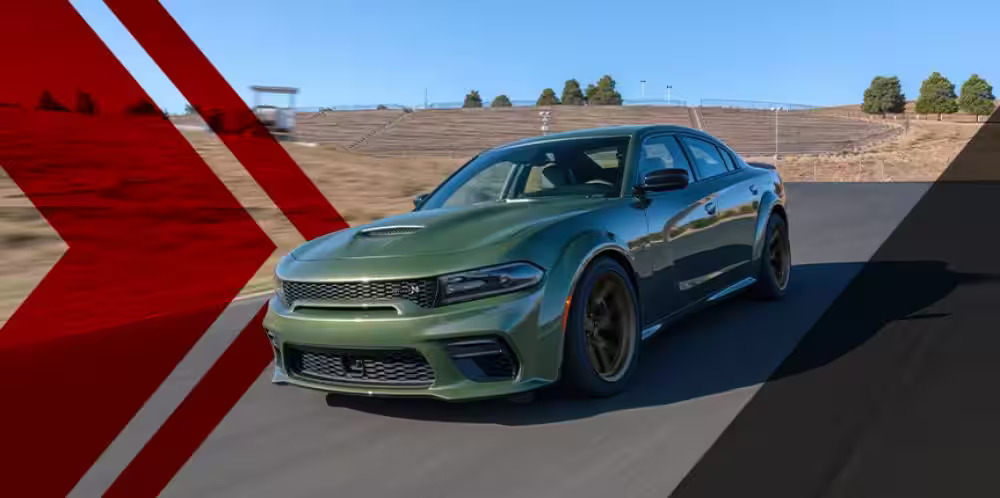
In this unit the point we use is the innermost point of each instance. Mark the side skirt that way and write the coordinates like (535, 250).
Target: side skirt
(738, 286)
(652, 330)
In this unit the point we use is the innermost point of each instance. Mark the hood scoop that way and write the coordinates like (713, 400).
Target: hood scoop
(389, 231)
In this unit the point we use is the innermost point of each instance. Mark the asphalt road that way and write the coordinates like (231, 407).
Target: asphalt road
(694, 379)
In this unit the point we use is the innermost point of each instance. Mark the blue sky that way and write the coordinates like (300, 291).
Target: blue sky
(388, 51)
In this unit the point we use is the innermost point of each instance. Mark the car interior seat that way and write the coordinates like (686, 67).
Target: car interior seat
(555, 176)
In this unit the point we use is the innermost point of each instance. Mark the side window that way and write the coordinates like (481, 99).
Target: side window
(732, 159)
(726, 158)
(707, 160)
(661, 152)
(737, 163)
(607, 158)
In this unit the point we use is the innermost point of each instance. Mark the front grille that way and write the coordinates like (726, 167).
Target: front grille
(404, 367)
(423, 292)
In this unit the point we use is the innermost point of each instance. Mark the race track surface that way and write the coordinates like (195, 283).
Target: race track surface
(693, 381)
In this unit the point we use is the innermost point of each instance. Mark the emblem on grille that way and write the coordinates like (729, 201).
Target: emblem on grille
(407, 290)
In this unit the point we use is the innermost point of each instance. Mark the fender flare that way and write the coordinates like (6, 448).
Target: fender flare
(568, 268)
(769, 202)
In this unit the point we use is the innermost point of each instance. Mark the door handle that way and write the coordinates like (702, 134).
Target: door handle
(753, 189)
(710, 207)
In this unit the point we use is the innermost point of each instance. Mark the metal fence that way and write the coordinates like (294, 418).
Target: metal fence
(629, 101)
(354, 107)
(755, 104)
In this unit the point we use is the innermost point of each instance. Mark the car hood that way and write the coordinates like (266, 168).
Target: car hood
(444, 230)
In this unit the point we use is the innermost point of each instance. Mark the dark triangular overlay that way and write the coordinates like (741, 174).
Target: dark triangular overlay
(895, 391)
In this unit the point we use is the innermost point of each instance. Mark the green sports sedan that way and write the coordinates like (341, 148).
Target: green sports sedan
(545, 260)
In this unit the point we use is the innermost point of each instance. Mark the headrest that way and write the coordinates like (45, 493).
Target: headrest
(558, 176)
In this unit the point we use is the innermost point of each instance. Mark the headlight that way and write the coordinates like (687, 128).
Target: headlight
(485, 282)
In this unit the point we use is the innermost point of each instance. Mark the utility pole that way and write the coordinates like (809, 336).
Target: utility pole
(776, 110)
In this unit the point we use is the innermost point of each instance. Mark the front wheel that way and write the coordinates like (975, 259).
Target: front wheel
(775, 261)
(602, 332)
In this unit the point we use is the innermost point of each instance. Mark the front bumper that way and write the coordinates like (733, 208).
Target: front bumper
(447, 338)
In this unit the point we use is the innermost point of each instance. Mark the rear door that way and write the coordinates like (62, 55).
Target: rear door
(741, 201)
(726, 249)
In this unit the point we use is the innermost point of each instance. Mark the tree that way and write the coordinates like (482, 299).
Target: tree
(977, 96)
(604, 92)
(571, 94)
(189, 109)
(501, 101)
(473, 100)
(884, 95)
(937, 96)
(548, 97)
(381, 107)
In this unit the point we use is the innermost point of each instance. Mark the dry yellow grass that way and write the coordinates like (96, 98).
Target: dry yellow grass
(920, 154)
(365, 188)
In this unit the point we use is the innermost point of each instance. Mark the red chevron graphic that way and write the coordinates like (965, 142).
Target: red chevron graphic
(228, 115)
(290, 189)
(157, 247)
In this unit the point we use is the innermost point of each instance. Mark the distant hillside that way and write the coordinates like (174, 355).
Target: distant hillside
(464, 132)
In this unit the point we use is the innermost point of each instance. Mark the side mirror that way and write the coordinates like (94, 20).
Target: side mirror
(420, 199)
(665, 179)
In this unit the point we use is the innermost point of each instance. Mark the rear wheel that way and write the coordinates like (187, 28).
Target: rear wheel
(775, 261)
(602, 332)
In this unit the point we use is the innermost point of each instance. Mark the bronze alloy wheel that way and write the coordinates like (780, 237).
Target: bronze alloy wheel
(779, 257)
(609, 327)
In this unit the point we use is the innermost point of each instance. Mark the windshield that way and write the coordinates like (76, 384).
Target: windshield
(584, 166)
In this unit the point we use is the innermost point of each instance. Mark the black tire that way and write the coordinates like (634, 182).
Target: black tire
(581, 366)
(773, 277)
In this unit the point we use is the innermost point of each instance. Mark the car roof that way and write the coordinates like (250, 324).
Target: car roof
(605, 131)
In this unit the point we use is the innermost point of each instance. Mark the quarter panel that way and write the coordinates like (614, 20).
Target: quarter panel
(767, 204)
(738, 196)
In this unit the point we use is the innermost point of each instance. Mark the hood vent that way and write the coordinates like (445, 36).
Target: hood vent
(389, 231)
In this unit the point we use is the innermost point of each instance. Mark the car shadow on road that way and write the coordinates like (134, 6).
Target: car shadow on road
(737, 344)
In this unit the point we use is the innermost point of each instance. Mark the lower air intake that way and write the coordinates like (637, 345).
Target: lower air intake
(402, 368)
(484, 360)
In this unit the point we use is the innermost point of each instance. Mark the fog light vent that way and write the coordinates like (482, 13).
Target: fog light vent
(484, 360)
